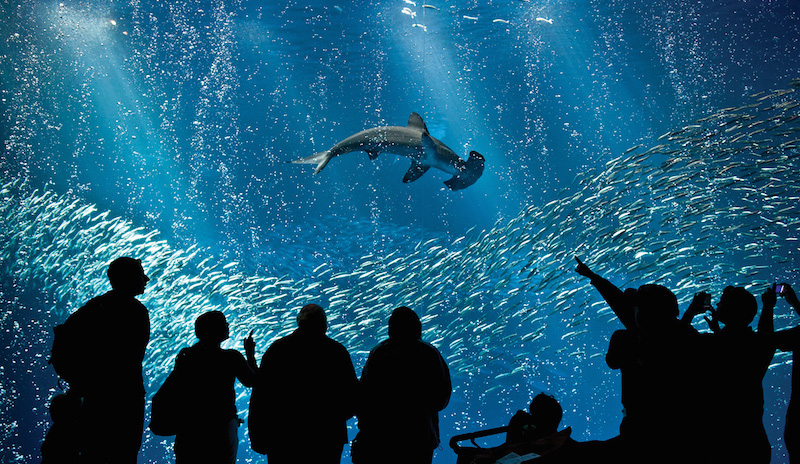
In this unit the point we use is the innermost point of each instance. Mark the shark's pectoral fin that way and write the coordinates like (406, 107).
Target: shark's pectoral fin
(415, 171)
(373, 154)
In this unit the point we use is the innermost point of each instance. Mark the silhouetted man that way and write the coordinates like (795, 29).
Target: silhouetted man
(737, 358)
(113, 330)
(405, 383)
(303, 396)
(657, 356)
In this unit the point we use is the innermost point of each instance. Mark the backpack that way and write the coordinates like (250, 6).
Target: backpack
(65, 353)
(70, 350)
(168, 410)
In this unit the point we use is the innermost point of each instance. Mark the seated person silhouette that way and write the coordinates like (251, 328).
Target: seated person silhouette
(530, 437)
(542, 420)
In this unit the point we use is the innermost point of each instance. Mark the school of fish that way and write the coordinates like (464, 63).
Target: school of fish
(707, 205)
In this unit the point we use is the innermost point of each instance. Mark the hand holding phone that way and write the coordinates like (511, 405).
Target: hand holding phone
(780, 289)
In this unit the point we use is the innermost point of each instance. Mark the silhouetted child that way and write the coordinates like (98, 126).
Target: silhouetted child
(60, 446)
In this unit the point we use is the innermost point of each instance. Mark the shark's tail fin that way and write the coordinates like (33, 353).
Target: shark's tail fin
(472, 171)
(320, 159)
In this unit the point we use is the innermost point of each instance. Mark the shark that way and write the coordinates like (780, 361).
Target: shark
(412, 141)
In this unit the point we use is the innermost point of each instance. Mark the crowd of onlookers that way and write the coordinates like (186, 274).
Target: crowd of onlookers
(303, 392)
(687, 395)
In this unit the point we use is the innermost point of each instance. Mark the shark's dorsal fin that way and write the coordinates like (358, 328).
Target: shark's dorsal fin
(416, 171)
(416, 122)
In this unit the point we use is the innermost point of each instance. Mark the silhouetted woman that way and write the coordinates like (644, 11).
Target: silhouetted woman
(209, 432)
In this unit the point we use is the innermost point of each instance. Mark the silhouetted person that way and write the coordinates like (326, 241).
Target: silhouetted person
(537, 431)
(623, 346)
(405, 383)
(61, 443)
(623, 349)
(304, 395)
(209, 431)
(655, 354)
(789, 340)
(114, 330)
(736, 359)
(542, 420)
(534, 432)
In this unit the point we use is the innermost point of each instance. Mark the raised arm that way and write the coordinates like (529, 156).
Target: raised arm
(242, 369)
(699, 305)
(791, 297)
(788, 339)
(766, 324)
(250, 351)
(617, 300)
(245, 370)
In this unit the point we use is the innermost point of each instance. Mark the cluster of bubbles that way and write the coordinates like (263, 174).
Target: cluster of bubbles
(711, 204)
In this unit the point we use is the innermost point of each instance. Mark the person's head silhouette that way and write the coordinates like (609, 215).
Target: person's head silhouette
(127, 276)
(404, 324)
(737, 307)
(546, 413)
(312, 318)
(656, 308)
(211, 327)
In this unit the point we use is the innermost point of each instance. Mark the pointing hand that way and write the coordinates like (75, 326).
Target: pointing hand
(250, 344)
(583, 269)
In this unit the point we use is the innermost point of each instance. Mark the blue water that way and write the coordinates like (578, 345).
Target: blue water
(179, 118)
